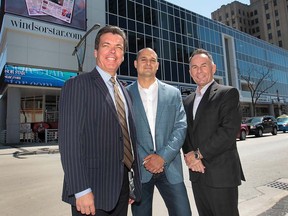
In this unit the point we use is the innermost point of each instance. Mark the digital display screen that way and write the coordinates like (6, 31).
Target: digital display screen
(70, 13)
(35, 76)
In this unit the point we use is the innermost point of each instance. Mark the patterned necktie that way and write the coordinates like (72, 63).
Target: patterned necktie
(128, 157)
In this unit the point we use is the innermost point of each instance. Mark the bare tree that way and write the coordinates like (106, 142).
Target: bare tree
(258, 80)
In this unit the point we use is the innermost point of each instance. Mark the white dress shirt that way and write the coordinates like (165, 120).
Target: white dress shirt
(198, 97)
(149, 97)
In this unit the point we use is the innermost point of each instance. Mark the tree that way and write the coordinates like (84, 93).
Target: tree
(258, 80)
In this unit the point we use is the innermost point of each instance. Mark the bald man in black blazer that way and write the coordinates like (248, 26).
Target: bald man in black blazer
(213, 118)
(90, 136)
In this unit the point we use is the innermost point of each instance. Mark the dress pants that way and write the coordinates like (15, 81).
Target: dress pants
(174, 195)
(211, 201)
(121, 207)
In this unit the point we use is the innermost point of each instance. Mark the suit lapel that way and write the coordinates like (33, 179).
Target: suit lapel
(138, 102)
(189, 109)
(100, 84)
(160, 103)
(210, 92)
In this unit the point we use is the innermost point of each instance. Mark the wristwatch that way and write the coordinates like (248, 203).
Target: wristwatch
(197, 155)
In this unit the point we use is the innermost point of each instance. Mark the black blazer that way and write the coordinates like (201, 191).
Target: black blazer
(91, 143)
(214, 132)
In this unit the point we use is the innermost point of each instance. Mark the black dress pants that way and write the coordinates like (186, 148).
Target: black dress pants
(122, 206)
(215, 201)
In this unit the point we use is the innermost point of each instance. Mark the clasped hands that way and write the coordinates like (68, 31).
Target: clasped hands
(194, 164)
(154, 163)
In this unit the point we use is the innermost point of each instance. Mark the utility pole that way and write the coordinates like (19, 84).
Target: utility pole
(80, 51)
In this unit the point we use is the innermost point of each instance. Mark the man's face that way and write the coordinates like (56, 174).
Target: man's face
(202, 69)
(146, 63)
(110, 53)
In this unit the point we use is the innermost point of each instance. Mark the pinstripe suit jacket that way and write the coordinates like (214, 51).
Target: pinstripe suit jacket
(90, 141)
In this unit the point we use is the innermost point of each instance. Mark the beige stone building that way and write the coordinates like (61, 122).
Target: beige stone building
(264, 19)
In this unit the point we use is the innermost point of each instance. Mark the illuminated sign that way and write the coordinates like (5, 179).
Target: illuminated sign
(35, 76)
(70, 13)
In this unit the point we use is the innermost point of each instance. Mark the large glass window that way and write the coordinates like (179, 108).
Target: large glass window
(174, 33)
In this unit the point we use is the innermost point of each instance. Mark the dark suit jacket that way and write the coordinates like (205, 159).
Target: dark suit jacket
(91, 143)
(214, 132)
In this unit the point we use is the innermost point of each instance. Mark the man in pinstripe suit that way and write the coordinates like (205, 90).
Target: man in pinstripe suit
(90, 136)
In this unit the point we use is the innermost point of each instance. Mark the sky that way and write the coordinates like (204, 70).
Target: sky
(203, 7)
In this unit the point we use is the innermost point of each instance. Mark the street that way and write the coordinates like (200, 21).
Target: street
(31, 184)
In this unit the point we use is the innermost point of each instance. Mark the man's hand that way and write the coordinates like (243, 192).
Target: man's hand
(154, 163)
(131, 201)
(193, 163)
(85, 204)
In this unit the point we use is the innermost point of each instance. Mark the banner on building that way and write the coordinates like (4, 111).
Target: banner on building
(71, 13)
(36, 76)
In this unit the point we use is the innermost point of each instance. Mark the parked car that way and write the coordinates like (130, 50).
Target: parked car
(262, 124)
(282, 123)
(243, 132)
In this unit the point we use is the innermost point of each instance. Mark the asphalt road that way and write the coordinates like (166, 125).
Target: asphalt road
(31, 179)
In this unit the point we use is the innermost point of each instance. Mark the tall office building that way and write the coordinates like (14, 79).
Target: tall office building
(36, 47)
(264, 19)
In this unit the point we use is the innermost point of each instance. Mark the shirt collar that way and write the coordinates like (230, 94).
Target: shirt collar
(151, 88)
(105, 76)
(203, 90)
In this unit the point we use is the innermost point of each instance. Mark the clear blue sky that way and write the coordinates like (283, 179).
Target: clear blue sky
(204, 7)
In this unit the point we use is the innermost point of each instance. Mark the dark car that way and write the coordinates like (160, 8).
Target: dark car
(243, 132)
(282, 124)
(262, 124)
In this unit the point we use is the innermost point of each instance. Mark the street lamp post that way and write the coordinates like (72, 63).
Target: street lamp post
(278, 102)
(79, 51)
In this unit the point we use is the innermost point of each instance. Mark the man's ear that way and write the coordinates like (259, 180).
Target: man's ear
(214, 67)
(135, 64)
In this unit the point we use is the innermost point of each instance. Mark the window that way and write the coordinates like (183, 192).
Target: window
(279, 33)
(277, 22)
(269, 26)
(267, 16)
(266, 6)
(270, 36)
(280, 44)
(276, 13)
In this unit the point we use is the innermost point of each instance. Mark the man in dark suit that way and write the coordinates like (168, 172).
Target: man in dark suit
(91, 136)
(213, 118)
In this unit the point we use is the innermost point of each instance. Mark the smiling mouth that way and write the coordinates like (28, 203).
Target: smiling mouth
(111, 58)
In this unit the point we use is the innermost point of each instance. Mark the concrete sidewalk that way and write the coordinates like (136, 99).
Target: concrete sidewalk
(273, 201)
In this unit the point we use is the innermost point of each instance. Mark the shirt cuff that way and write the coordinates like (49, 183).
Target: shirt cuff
(82, 193)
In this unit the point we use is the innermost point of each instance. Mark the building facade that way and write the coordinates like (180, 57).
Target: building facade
(264, 19)
(35, 51)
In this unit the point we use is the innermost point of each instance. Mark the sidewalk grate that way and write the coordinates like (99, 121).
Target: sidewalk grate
(278, 185)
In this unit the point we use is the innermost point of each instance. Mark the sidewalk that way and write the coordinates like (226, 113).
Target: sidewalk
(273, 201)
(279, 209)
